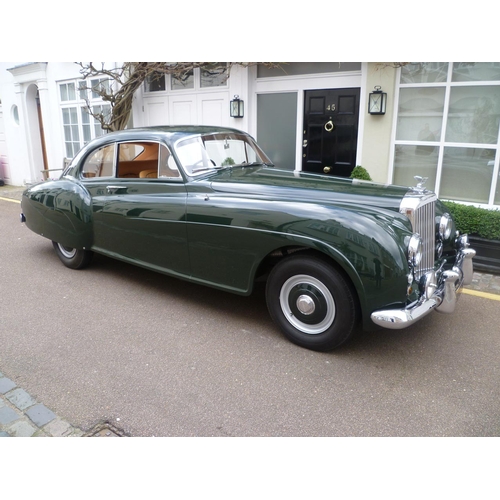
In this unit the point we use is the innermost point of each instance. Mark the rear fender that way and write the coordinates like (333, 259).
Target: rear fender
(60, 211)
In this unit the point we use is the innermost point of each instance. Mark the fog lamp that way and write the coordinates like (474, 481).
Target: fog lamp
(415, 250)
(445, 225)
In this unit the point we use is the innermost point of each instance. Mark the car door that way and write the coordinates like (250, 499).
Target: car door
(139, 207)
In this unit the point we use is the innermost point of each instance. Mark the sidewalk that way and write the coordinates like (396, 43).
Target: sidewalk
(22, 416)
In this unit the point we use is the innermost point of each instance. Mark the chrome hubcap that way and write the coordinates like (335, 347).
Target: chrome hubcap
(68, 252)
(307, 304)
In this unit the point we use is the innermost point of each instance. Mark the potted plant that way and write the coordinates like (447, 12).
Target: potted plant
(360, 173)
(483, 227)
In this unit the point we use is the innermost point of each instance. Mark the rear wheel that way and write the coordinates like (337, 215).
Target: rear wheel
(72, 257)
(311, 302)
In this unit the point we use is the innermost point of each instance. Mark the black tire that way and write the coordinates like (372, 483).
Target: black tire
(311, 302)
(72, 257)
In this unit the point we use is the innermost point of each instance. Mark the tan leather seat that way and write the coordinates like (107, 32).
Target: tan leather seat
(153, 174)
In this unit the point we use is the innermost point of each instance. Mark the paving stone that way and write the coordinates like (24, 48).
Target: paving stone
(6, 385)
(21, 429)
(20, 399)
(40, 415)
(7, 415)
(58, 428)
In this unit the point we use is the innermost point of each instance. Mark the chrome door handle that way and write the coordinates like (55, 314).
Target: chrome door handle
(113, 189)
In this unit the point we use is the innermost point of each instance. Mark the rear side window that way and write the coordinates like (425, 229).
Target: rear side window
(100, 163)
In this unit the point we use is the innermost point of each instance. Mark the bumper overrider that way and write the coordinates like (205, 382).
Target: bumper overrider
(439, 291)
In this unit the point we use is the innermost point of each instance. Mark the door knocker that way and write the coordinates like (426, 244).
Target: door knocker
(329, 126)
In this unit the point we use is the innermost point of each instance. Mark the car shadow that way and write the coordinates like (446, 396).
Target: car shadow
(380, 342)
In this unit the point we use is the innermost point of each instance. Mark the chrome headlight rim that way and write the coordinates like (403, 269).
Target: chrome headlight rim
(445, 226)
(415, 250)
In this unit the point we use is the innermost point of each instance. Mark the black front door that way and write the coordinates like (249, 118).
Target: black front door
(330, 131)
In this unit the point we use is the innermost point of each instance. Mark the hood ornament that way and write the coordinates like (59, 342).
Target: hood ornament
(421, 181)
(419, 188)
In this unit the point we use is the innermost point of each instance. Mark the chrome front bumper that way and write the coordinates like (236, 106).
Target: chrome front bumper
(443, 297)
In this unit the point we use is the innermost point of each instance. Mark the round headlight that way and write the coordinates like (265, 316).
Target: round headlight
(445, 225)
(415, 250)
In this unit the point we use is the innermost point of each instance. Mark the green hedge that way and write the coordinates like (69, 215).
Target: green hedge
(475, 221)
(361, 173)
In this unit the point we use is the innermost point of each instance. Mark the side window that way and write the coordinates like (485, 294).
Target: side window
(100, 163)
(168, 167)
(138, 160)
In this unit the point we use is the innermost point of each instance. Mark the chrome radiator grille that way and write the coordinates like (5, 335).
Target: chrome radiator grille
(421, 210)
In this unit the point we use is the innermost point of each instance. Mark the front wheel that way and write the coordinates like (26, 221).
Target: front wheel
(311, 302)
(72, 257)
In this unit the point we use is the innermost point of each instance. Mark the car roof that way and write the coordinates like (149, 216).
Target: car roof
(170, 131)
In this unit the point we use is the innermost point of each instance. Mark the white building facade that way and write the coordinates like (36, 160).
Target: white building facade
(442, 119)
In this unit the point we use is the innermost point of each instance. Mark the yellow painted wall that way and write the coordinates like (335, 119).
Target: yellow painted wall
(378, 129)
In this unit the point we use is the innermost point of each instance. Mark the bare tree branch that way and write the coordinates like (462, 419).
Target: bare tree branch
(117, 86)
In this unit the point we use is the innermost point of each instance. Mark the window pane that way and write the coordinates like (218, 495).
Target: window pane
(306, 68)
(497, 193)
(64, 92)
(420, 114)
(467, 174)
(276, 127)
(71, 92)
(82, 89)
(168, 167)
(213, 76)
(410, 161)
(86, 133)
(474, 114)
(476, 71)
(155, 82)
(424, 72)
(185, 81)
(67, 133)
(100, 163)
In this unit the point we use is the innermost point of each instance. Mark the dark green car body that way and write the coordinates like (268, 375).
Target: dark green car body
(228, 227)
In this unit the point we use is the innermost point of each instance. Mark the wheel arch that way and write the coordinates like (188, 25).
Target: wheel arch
(323, 252)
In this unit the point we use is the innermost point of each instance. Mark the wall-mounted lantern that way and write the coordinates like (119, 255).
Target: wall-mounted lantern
(236, 107)
(377, 101)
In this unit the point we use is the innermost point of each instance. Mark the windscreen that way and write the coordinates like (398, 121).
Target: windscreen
(212, 151)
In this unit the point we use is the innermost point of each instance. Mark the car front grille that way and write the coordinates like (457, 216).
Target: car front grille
(420, 208)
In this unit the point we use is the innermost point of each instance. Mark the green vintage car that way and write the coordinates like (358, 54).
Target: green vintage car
(205, 204)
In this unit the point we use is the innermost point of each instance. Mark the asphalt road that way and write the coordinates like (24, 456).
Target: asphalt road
(161, 357)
